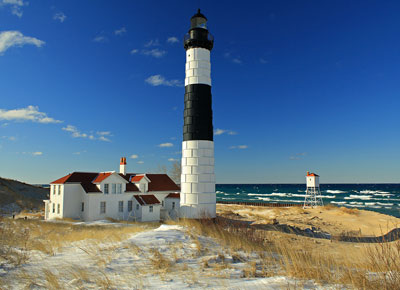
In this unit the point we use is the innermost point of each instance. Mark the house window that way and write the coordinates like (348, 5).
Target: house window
(119, 188)
(121, 206)
(106, 188)
(173, 205)
(58, 208)
(113, 188)
(162, 203)
(54, 189)
(129, 205)
(59, 189)
(54, 208)
(137, 207)
(102, 207)
(83, 206)
(150, 208)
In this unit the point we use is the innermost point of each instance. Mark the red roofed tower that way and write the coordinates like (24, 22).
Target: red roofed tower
(313, 194)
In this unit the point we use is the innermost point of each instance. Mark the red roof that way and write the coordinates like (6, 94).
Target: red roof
(101, 176)
(88, 180)
(161, 182)
(147, 199)
(137, 178)
(312, 174)
(173, 195)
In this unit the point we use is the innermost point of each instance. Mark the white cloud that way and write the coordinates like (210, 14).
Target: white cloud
(172, 159)
(236, 60)
(30, 113)
(79, 152)
(120, 31)
(75, 133)
(16, 38)
(166, 145)
(102, 138)
(222, 131)
(159, 80)
(152, 42)
(10, 138)
(60, 16)
(239, 147)
(104, 133)
(140, 162)
(38, 153)
(100, 39)
(298, 156)
(134, 156)
(172, 39)
(155, 52)
(15, 6)
(134, 51)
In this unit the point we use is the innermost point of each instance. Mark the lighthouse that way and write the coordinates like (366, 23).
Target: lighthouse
(198, 199)
(313, 193)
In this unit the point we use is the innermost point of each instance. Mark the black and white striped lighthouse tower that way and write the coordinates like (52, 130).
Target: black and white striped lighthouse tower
(198, 198)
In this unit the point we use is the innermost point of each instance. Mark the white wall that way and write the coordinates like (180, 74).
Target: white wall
(312, 181)
(171, 211)
(56, 199)
(198, 198)
(198, 66)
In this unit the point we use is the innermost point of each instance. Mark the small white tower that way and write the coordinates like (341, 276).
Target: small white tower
(122, 166)
(313, 194)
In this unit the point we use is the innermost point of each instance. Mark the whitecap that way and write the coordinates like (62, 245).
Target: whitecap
(339, 202)
(327, 196)
(353, 196)
(264, 198)
(335, 191)
(257, 194)
(279, 194)
(219, 191)
(387, 204)
(298, 195)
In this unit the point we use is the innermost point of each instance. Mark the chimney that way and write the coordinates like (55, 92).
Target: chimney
(122, 166)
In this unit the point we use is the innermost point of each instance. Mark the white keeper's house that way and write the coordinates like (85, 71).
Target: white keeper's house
(91, 196)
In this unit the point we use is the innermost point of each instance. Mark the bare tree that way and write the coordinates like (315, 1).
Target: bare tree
(175, 172)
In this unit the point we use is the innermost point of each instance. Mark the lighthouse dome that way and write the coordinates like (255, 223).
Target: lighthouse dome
(198, 20)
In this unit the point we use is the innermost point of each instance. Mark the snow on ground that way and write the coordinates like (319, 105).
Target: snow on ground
(168, 257)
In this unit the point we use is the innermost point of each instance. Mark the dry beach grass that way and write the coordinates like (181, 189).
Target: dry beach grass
(208, 250)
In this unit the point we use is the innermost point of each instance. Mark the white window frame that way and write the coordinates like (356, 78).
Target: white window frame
(150, 208)
(59, 189)
(119, 188)
(54, 208)
(58, 208)
(113, 188)
(121, 206)
(106, 188)
(103, 206)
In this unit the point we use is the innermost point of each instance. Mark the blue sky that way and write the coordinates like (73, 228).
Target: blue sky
(297, 86)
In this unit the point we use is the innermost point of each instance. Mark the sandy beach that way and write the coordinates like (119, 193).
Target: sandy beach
(331, 219)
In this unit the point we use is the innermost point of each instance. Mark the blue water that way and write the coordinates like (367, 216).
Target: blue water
(382, 198)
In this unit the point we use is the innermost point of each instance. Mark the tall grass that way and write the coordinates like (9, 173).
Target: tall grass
(373, 266)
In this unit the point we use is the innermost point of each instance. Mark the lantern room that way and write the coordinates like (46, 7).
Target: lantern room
(198, 35)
